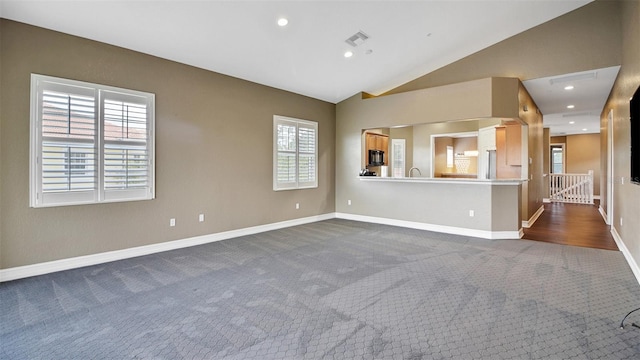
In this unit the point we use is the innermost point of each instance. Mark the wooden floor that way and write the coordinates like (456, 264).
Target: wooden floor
(572, 224)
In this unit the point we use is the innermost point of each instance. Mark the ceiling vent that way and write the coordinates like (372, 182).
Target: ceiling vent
(357, 39)
(592, 75)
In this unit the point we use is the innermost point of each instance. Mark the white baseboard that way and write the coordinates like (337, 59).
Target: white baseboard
(493, 235)
(627, 255)
(528, 223)
(546, 201)
(596, 197)
(604, 215)
(20, 272)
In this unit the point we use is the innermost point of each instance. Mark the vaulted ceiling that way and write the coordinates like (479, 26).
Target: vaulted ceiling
(404, 39)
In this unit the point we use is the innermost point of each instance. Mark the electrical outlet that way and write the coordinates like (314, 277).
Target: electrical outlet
(172, 222)
(201, 217)
(297, 206)
(472, 213)
(348, 202)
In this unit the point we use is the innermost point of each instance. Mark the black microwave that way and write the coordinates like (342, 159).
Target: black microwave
(376, 157)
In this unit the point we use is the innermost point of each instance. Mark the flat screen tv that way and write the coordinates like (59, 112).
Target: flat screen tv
(634, 106)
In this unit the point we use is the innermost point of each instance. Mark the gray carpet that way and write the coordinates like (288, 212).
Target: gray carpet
(332, 290)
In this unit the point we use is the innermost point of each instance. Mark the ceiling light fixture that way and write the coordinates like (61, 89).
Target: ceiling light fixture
(348, 54)
(572, 122)
(585, 129)
(568, 87)
(282, 22)
(570, 106)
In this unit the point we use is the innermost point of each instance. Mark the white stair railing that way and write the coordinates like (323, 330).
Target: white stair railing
(571, 188)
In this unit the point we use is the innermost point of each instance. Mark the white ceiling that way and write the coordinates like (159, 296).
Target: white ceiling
(241, 38)
(588, 96)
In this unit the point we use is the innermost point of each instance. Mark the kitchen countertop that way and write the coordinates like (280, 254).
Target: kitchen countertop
(442, 180)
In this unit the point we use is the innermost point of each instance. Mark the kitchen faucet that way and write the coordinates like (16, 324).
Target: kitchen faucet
(411, 171)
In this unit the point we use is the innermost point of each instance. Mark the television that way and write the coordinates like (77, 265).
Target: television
(634, 112)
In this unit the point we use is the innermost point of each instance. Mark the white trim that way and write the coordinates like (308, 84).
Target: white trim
(20, 272)
(627, 255)
(528, 223)
(546, 201)
(603, 214)
(492, 235)
(609, 175)
(596, 197)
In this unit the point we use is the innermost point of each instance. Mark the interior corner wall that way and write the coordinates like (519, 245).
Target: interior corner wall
(626, 196)
(533, 163)
(584, 39)
(213, 151)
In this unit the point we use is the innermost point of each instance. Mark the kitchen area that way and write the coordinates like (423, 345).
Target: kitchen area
(462, 158)
(475, 149)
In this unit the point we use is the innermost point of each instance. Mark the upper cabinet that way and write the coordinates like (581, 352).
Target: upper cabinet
(377, 142)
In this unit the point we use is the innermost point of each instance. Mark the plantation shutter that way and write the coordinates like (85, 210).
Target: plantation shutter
(126, 146)
(295, 153)
(307, 155)
(286, 142)
(89, 143)
(66, 155)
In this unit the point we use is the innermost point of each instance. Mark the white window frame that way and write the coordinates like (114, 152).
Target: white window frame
(100, 93)
(298, 123)
(398, 157)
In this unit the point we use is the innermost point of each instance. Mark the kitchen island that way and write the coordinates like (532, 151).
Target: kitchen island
(473, 207)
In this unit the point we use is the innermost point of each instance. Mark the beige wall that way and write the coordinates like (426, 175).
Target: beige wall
(583, 154)
(584, 39)
(532, 163)
(1, 149)
(429, 111)
(213, 151)
(626, 196)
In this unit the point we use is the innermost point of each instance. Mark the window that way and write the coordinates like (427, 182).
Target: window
(449, 156)
(398, 156)
(89, 143)
(295, 153)
(557, 158)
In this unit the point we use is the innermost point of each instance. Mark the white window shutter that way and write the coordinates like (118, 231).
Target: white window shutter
(295, 153)
(89, 143)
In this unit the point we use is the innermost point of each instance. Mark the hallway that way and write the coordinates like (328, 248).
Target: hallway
(572, 224)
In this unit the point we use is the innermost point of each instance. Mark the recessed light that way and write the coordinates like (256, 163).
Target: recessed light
(572, 122)
(585, 129)
(568, 87)
(348, 54)
(283, 22)
(570, 106)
